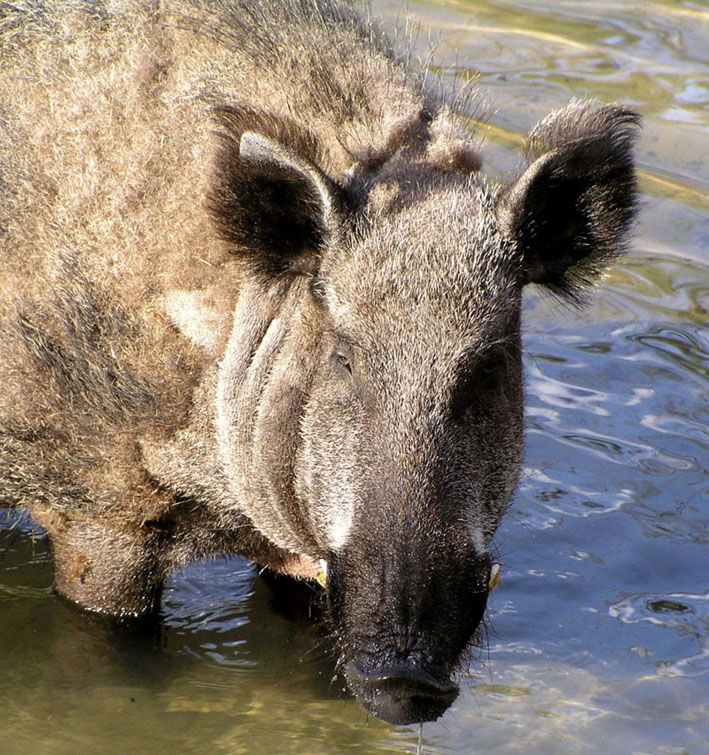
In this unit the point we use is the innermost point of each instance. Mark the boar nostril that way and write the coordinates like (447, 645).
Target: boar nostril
(401, 693)
(401, 680)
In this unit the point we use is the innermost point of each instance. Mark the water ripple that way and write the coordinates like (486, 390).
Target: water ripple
(687, 614)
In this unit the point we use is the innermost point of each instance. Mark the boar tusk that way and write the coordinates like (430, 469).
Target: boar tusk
(494, 577)
(322, 574)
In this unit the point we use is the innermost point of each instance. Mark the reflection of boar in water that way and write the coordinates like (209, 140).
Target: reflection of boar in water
(257, 300)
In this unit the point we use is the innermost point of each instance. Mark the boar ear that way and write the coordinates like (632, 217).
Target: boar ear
(570, 209)
(273, 207)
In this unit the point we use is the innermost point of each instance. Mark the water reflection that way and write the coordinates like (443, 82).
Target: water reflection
(686, 614)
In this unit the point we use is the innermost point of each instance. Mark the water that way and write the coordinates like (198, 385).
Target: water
(598, 633)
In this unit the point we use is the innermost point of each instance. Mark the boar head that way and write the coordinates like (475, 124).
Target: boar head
(369, 403)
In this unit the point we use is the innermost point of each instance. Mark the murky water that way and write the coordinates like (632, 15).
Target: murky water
(598, 636)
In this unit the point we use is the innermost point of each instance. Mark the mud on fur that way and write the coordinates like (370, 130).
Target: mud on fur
(258, 298)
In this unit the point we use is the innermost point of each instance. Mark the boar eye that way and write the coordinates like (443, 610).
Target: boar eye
(477, 382)
(343, 363)
(489, 371)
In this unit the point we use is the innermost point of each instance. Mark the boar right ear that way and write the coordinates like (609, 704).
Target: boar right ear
(273, 207)
(569, 211)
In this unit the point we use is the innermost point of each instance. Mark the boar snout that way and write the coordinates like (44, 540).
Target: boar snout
(401, 633)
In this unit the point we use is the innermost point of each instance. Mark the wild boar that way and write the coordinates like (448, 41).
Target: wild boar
(258, 299)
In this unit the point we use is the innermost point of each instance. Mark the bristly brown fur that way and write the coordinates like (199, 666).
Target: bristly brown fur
(108, 111)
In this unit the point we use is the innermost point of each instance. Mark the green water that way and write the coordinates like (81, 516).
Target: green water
(598, 636)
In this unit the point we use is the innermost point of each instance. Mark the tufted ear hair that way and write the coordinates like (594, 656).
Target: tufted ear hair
(569, 211)
(271, 203)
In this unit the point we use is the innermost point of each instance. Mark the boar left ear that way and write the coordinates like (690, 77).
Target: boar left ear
(569, 211)
(273, 207)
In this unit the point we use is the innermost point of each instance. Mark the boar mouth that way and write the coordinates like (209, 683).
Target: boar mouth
(401, 693)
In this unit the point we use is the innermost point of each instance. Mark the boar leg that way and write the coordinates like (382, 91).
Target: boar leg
(105, 570)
